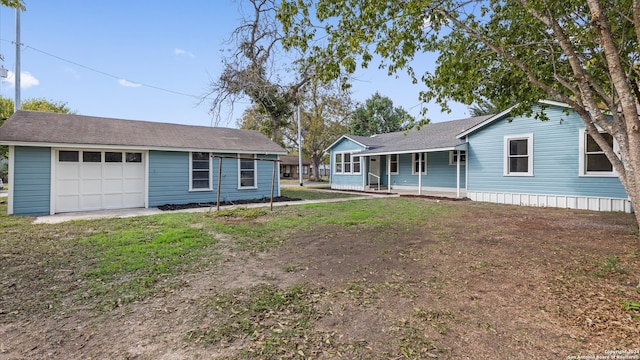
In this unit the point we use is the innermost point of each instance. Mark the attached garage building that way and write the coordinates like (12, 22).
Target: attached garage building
(70, 163)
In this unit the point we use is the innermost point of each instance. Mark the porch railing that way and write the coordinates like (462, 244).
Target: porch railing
(375, 176)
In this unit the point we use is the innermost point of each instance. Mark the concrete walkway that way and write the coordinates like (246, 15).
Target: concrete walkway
(125, 213)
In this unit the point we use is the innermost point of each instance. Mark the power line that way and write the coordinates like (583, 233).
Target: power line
(106, 73)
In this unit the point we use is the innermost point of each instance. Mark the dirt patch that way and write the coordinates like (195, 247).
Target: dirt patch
(476, 281)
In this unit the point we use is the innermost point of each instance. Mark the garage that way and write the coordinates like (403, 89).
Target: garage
(98, 179)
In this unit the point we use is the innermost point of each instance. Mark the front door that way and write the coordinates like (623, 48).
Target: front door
(374, 169)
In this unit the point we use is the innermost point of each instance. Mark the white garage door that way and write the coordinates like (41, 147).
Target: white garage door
(96, 180)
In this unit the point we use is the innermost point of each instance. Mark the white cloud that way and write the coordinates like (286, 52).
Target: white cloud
(181, 52)
(26, 80)
(127, 83)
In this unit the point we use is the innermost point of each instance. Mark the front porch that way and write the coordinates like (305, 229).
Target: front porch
(435, 193)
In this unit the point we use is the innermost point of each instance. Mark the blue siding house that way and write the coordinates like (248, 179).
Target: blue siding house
(499, 158)
(69, 163)
(430, 159)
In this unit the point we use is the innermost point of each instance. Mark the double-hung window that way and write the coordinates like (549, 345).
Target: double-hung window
(518, 155)
(338, 163)
(200, 171)
(453, 157)
(247, 172)
(419, 161)
(593, 161)
(393, 163)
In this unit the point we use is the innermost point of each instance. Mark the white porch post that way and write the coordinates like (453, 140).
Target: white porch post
(388, 173)
(457, 174)
(365, 171)
(419, 173)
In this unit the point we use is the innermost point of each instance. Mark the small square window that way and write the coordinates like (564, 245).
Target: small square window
(91, 156)
(68, 156)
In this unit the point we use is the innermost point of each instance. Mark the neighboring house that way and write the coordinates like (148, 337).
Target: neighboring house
(500, 158)
(289, 165)
(325, 170)
(67, 163)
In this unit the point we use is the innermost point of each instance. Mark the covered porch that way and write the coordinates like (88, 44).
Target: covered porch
(430, 173)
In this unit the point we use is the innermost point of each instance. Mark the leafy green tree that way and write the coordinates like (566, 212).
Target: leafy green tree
(17, 4)
(323, 113)
(584, 53)
(378, 116)
(323, 116)
(484, 108)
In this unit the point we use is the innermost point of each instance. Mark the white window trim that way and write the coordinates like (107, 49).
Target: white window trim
(255, 173)
(507, 138)
(397, 164)
(191, 188)
(582, 170)
(352, 154)
(413, 164)
(452, 157)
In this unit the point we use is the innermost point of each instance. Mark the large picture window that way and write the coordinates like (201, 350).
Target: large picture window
(247, 172)
(200, 171)
(593, 160)
(419, 163)
(518, 155)
(347, 163)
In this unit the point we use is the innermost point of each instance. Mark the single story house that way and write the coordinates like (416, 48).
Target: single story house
(500, 158)
(289, 165)
(67, 163)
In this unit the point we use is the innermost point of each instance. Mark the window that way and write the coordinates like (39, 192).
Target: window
(91, 156)
(247, 173)
(134, 157)
(518, 155)
(68, 156)
(453, 157)
(419, 162)
(347, 163)
(112, 157)
(393, 164)
(593, 161)
(200, 171)
(338, 164)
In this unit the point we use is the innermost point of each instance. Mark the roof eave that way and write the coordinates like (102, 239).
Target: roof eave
(138, 147)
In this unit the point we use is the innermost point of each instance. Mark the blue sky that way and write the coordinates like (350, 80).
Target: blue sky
(146, 60)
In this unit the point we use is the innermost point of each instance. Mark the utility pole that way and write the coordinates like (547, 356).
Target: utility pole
(16, 105)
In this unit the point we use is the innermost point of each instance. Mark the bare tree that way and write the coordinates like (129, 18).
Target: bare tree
(258, 69)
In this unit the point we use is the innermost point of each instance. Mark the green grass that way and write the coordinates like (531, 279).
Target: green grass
(307, 193)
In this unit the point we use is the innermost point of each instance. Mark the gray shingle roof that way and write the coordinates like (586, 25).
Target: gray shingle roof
(433, 136)
(50, 128)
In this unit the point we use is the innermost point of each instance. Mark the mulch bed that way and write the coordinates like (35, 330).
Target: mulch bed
(169, 207)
